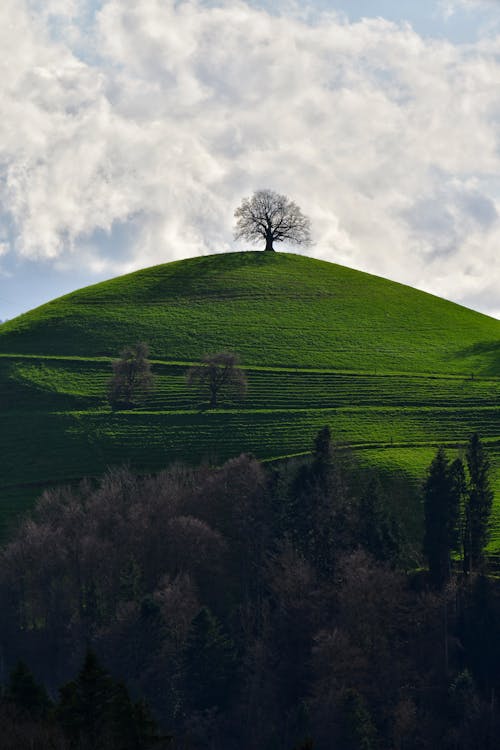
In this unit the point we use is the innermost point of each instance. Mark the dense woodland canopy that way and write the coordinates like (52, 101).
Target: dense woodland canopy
(247, 606)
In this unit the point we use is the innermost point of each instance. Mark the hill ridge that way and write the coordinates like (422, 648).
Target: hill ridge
(312, 305)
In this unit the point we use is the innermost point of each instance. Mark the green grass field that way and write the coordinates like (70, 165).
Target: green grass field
(393, 371)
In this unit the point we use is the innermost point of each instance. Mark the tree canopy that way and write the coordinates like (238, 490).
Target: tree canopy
(273, 218)
(132, 378)
(219, 373)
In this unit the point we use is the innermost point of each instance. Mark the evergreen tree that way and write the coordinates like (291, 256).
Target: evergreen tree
(318, 506)
(322, 455)
(26, 694)
(464, 714)
(357, 731)
(479, 625)
(379, 532)
(459, 493)
(131, 726)
(97, 713)
(85, 704)
(478, 505)
(441, 518)
(208, 664)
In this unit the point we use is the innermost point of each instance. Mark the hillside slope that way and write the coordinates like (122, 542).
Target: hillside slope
(393, 371)
(274, 309)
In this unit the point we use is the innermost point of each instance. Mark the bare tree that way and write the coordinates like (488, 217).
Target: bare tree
(132, 378)
(272, 217)
(219, 372)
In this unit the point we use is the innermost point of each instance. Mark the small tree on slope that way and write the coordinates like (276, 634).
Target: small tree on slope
(219, 374)
(132, 378)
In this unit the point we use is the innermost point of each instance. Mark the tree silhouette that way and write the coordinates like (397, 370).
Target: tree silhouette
(273, 218)
(478, 505)
(441, 518)
(25, 694)
(85, 704)
(209, 664)
(219, 373)
(132, 378)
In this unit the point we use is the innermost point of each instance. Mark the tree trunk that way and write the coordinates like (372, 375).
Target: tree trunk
(213, 397)
(269, 243)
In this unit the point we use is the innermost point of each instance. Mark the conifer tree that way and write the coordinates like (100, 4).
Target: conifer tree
(479, 502)
(459, 493)
(85, 704)
(97, 713)
(208, 664)
(379, 532)
(322, 453)
(441, 518)
(131, 726)
(357, 731)
(25, 694)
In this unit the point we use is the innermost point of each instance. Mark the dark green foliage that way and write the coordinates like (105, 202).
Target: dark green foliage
(132, 379)
(209, 664)
(457, 502)
(85, 705)
(96, 713)
(25, 694)
(319, 510)
(467, 729)
(322, 454)
(479, 626)
(356, 727)
(478, 504)
(131, 726)
(441, 518)
(379, 531)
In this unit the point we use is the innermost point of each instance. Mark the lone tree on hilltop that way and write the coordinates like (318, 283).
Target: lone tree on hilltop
(273, 218)
(219, 373)
(132, 378)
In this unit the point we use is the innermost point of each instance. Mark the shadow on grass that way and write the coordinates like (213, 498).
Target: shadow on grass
(489, 351)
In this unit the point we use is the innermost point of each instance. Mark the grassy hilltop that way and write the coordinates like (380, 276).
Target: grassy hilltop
(275, 309)
(392, 370)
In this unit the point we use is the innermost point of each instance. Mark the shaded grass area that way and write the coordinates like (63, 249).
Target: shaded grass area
(34, 383)
(56, 418)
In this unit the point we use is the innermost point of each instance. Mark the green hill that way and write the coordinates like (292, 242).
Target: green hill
(392, 370)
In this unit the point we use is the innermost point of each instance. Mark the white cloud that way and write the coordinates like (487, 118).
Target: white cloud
(452, 6)
(133, 142)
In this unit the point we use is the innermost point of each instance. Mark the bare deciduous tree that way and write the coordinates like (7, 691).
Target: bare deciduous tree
(132, 378)
(219, 372)
(272, 217)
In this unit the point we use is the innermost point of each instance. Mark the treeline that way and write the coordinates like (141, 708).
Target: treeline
(458, 500)
(92, 712)
(256, 607)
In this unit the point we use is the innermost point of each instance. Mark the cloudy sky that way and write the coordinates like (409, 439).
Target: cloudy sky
(131, 129)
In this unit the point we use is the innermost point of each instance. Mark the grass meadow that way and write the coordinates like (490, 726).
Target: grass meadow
(394, 372)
